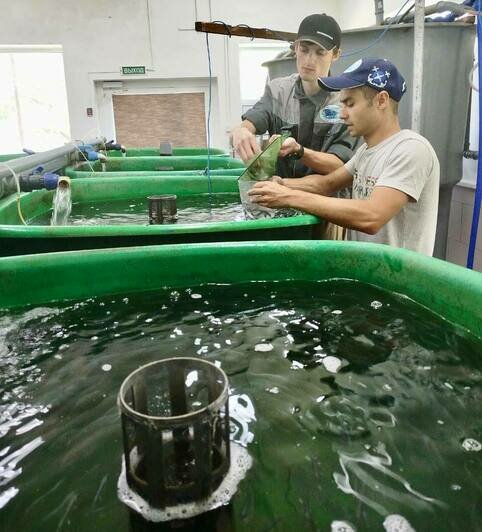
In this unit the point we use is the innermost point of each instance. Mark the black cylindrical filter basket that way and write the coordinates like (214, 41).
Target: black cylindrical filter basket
(175, 423)
(162, 209)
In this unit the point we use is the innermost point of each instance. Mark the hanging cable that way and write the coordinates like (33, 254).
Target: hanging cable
(379, 38)
(17, 182)
(208, 125)
(478, 187)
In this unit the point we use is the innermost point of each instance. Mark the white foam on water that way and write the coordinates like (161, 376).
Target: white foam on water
(274, 390)
(32, 424)
(196, 296)
(469, 444)
(191, 378)
(7, 496)
(197, 341)
(337, 312)
(319, 399)
(332, 364)
(263, 348)
(106, 367)
(241, 462)
(397, 523)
(342, 526)
(376, 304)
(296, 365)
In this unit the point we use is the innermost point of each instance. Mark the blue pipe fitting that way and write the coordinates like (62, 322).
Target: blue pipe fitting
(50, 181)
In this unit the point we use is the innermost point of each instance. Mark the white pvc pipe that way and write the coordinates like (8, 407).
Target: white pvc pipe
(418, 34)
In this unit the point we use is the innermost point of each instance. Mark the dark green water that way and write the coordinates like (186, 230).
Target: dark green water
(387, 432)
(200, 208)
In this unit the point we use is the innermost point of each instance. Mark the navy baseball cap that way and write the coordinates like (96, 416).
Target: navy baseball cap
(379, 74)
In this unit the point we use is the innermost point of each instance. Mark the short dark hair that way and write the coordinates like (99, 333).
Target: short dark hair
(370, 93)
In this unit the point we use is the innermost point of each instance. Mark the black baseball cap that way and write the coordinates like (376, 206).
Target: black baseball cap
(320, 29)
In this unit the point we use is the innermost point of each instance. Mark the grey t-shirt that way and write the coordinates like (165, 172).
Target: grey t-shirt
(407, 162)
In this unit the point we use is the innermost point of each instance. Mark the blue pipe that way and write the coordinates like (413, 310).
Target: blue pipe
(478, 188)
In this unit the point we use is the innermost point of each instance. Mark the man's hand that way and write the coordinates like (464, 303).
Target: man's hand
(289, 146)
(271, 194)
(244, 143)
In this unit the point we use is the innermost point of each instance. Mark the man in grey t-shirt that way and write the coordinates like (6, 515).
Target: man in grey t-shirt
(394, 175)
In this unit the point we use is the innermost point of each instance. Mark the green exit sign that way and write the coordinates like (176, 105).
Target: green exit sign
(133, 70)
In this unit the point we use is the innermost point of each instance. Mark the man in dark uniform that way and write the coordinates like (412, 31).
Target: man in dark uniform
(319, 142)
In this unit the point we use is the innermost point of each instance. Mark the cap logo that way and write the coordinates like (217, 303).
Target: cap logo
(324, 34)
(378, 78)
(353, 67)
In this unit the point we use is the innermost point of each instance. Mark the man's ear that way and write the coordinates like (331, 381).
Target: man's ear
(383, 100)
(336, 54)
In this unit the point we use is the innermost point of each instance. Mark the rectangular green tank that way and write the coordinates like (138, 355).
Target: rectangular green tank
(17, 239)
(449, 290)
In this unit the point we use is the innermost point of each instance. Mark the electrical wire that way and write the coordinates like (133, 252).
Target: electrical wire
(208, 124)
(379, 38)
(17, 182)
(478, 186)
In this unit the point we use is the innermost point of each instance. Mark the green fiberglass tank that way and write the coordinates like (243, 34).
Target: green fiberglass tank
(183, 151)
(113, 212)
(163, 164)
(354, 373)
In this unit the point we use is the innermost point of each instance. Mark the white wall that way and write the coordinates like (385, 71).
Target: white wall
(100, 36)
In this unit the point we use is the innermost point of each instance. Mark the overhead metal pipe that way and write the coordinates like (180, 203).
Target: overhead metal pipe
(418, 35)
(379, 12)
(50, 160)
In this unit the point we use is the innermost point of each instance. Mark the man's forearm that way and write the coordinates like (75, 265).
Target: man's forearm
(327, 185)
(323, 163)
(353, 214)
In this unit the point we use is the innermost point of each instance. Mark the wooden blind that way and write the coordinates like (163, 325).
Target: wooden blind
(147, 119)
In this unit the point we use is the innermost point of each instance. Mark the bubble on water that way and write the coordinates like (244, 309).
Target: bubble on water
(228, 320)
(106, 367)
(440, 422)
(332, 364)
(320, 398)
(342, 526)
(263, 348)
(296, 365)
(397, 523)
(94, 338)
(191, 378)
(273, 390)
(337, 312)
(228, 342)
(125, 300)
(197, 341)
(311, 325)
(148, 320)
(448, 385)
(376, 304)
(455, 487)
(196, 296)
(470, 444)
(387, 387)
(58, 357)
